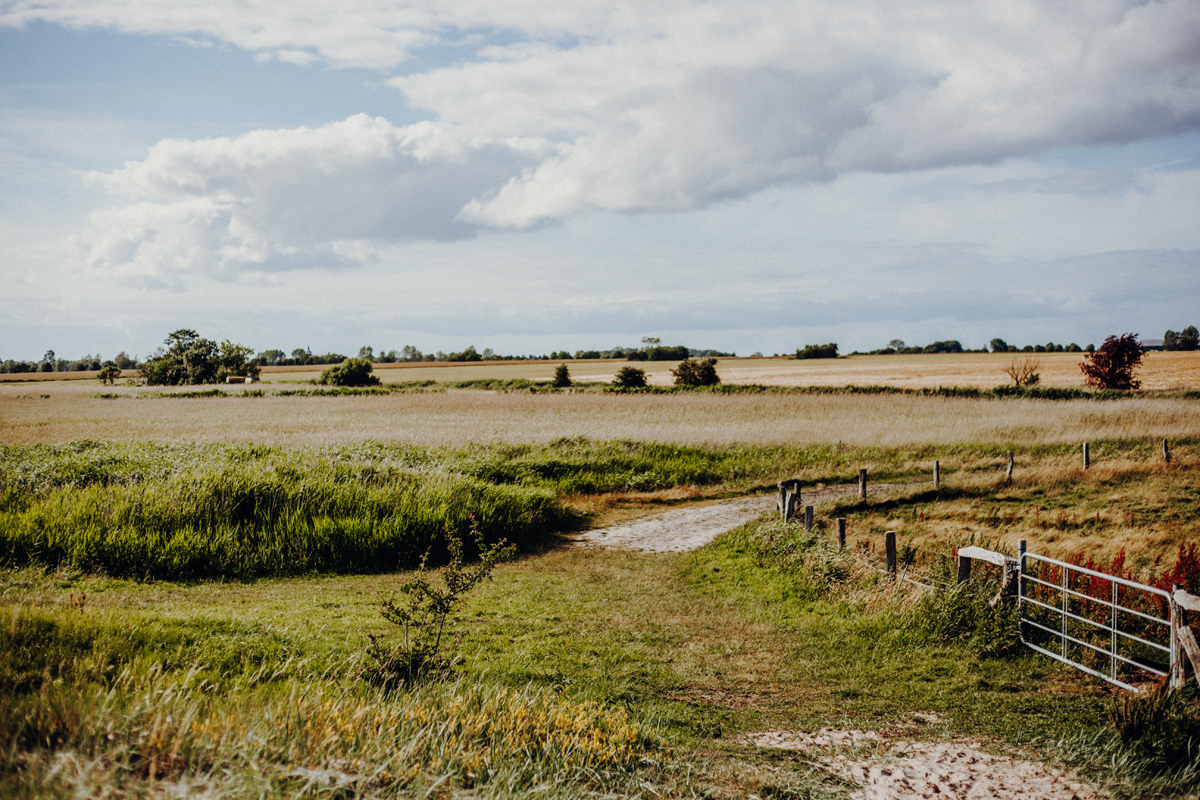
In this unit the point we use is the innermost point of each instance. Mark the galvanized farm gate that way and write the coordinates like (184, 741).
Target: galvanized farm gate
(1074, 614)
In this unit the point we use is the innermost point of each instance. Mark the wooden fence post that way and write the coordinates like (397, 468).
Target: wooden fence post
(789, 498)
(1087, 457)
(1008, 474)
(937, 475)
(1166, 452)
(841, 530)
(862, 484)
(889, 544)
(964, 568)
(808, 518)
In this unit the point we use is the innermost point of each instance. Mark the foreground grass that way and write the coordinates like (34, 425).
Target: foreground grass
(586, 672)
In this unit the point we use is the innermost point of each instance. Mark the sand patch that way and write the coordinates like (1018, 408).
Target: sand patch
(905, 770)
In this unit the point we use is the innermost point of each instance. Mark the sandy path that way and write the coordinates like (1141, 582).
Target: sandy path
(949, 770)
(688, 528)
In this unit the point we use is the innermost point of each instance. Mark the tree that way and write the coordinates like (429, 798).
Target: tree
(109, 374)
(1170, 340)
(1189, 339)
(351, 372)
(629, 378)
(235, 360)
(1024, 372)
(1111, 366)
(366, 352)
(896, 344)
(998, 345)
(696, 373)
(562, 376)
(191, 359)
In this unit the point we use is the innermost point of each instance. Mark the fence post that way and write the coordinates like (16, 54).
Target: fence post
(1166, 452)
(889, 544)
(841, 530)
(1087, 457)
(782, 503)
(937, 475)
(789, 498)
(862, 484)
(1177, 668)
(808, 518)
(1008, 474)
(1020, 571)
(964, 568)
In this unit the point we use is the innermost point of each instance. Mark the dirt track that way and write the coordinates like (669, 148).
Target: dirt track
(688, 528)
(953, 770)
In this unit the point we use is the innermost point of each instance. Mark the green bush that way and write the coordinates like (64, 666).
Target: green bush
(818, 351)
(696, 373)
(630, 378)
(562, 376)
(351, 372)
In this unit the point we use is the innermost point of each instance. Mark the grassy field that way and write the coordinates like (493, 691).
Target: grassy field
(189, 585)
(460, 417)
(1160, 370)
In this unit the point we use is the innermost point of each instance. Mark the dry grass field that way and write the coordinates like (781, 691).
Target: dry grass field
(1160, 370)
(62, 412)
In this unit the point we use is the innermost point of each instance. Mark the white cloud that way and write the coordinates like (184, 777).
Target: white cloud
(662, 106)
(292, 198)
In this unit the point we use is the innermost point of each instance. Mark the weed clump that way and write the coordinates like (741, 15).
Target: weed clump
(425, 651)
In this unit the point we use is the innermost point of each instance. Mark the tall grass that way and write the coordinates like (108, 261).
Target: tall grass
(177, 512)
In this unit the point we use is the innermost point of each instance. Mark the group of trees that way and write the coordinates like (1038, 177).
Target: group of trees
(1186, 339)
(1001, 346)
(189, 358)
(652, 349)
(898, 347)
(818, 351)
(50, 362)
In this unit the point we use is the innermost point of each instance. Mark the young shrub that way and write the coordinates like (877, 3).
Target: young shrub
(425, 651)
(629, 378)
(1024, 372)
(562, 376)
(1113, 363)
(351, 372)
(691, 372)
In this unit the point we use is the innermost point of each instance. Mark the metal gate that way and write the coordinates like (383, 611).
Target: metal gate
(1071, 613)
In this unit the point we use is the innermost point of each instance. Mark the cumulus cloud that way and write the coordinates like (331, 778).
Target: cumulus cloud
(631, 107)
(279, 199)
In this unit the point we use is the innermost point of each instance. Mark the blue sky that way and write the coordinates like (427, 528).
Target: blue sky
(537, 176)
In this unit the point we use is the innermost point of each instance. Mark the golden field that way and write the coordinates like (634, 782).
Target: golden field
(457, 417)
(1159, 370)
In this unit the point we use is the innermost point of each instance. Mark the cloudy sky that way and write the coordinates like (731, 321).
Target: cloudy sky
(533, 176)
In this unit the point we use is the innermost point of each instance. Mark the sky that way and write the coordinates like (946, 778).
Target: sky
(534, 176)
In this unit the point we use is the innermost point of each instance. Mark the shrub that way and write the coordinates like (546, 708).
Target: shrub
(696, 373)
(562, 376)
(424, 652)
(1113, 363)
(351, 372)
(818, 351)
(630, 378)
(109, 374)
(1024, 372)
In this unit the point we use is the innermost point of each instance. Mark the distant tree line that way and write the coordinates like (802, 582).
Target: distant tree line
(50, 362)
(652, 350)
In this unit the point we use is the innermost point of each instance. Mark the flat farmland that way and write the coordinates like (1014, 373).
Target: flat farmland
(1160, 370)
(455, 417)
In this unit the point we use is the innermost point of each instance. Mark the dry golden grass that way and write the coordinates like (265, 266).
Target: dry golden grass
(1160, 370)
(1123, 503)
(458, 417)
